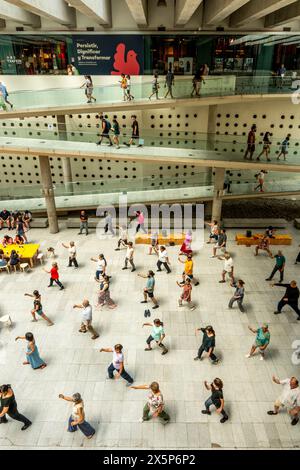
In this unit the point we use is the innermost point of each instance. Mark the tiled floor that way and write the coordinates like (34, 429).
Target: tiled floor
(75, 364)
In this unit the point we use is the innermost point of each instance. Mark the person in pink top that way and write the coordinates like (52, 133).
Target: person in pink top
(141, 221)
(186, 248)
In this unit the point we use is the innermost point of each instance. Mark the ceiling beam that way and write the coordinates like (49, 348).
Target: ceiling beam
(216, 11)
(256, 9)
(13, 13)
(138, 10)
(55, 10)
(184, 10)
(283, 16)
(98, 10)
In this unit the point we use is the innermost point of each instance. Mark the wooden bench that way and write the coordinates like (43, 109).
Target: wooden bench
(74, 222)
(241, 239)
(40, 222)
(297, 223)
(254, 223)
(176, 239)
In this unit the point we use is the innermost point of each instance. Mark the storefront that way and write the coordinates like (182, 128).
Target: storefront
(138, 54)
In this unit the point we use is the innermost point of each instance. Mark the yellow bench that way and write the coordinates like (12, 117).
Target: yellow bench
(241, 239)
(176, 239)
(27, 252)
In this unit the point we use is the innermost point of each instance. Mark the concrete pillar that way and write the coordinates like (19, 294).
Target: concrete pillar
(211, 127)
(66, 162)
(48, 193)
(218, 193)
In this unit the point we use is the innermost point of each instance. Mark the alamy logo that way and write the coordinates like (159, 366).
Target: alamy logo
(296, 354)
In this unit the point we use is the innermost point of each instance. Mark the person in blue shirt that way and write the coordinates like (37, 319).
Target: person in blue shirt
(284, 147)
(4, 92)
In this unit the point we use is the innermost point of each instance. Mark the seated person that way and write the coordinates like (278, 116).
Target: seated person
(14, 259)
(27, 218)
(264, 244)
(14, 215)
(19, 240)
(270, 232)
(5, 218)
(3, 262)
(7, 240)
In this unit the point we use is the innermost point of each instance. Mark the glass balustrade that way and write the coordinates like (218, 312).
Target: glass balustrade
(212, 86)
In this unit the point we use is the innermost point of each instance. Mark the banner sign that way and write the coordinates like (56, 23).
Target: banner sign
(109, 55)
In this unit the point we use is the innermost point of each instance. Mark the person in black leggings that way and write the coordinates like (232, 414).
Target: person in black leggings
(208, 344)
(8, 406)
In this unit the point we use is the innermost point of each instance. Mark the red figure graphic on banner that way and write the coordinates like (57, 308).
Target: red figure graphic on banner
(130, 66)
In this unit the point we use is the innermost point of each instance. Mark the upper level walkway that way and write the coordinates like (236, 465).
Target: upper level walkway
(215, 90)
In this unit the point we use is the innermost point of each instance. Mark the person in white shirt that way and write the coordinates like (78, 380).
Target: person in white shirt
(72, 254)
(228, 269)
(117, 364)
(101, 265)
(289, 398)
(86, 318)
(163, 259)
(129, 257)
(123, 234)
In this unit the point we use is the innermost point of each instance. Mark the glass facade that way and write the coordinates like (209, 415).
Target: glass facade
(223, 53)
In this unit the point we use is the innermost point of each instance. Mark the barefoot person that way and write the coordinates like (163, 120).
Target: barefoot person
(32, 354)
(149, 289)
(77, 418)
(262, 340)
(86, 318)
(8, 406)
(37, 307)
(186, 294)
(117, 364)
(154, 408)
(157, 334)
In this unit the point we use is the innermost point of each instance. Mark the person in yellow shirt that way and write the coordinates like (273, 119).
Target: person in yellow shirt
(188, 270)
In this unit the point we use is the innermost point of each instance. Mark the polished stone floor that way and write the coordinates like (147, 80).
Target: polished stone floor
(76, 365)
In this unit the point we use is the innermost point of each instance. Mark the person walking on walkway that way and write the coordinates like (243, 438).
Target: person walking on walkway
(77, 418)
(37, 308)
(163, 259)
(105, 128)
(84, 223)
(104, 297)
(101, 265)
(128, 89)
(155, 406)
(238, 296)
(117, 364)
(279, 266)
(72, 254)
(266, 147)
(135, 135)
(208, 344)
(284, 149)
(291, 297)
(123, 83)
(155, 87)
(86, 318)
(228, 269)
(250, 143)
(89, 88)
(54, 276)
(157, 334)
(186, 294)
(8, 406)
(188, 270)
(149, 289)
(32, 353)
(289, 398)
(169, 83)
(261, 181)
(116, 133)
(216, 399)
(4, 92)
(262, 340)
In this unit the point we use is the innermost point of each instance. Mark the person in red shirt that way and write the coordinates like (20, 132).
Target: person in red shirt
(54, 276)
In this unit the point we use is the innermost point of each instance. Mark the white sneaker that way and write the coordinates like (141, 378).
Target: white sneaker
(141, 420)
(261, 358)
(248, 355)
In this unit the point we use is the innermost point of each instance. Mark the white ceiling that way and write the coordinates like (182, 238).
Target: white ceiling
(147, 15)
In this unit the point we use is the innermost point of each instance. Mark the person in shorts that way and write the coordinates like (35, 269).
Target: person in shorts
(157, 335)
(149, 289)
(37, 307)
(289, 398)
